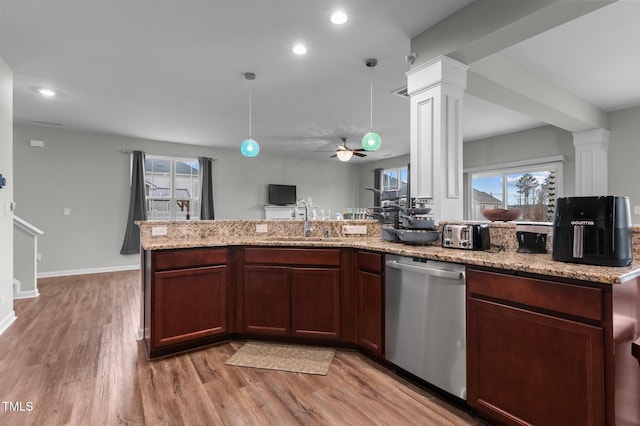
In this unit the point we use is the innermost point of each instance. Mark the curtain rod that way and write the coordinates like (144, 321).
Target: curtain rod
(124, 151)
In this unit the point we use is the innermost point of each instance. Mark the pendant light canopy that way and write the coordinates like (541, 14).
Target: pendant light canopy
(371, 141)
(249, 147)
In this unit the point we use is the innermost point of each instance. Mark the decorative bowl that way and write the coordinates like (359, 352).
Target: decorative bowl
(501, 214)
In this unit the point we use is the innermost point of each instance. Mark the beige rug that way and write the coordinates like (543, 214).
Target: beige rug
(276, 356)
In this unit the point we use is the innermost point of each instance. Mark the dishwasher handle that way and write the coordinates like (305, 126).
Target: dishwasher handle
(442, 273)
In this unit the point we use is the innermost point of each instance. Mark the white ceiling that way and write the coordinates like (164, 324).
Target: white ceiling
(173, 71)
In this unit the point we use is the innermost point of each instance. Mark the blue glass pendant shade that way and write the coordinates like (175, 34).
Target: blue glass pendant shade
(249, 148)
(371, 141)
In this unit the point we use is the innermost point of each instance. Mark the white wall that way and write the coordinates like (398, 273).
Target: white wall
(7, 314)
(88, 173)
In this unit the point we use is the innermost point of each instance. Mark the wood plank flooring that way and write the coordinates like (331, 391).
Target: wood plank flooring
(71, 358)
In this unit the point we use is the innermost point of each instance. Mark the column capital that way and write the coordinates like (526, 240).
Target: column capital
(591, 137)
(440, 70)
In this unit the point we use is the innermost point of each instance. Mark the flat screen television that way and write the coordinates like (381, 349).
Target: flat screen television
(281, 195)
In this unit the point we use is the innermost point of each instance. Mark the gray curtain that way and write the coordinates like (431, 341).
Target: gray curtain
(409, 185)
(137, 206)
(377, 184)
(206, 185)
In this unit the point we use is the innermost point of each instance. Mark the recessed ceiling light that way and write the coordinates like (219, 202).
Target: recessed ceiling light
(46, 92)
(299, 49)
(339, 18)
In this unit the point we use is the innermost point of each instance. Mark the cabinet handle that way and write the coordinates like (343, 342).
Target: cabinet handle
(635, 349)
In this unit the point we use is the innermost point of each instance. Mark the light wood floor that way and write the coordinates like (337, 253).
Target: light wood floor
(72, 356)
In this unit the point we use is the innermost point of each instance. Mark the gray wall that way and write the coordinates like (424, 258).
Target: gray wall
(88, 173)
(6, 196)
(624, 156)
(540, 142)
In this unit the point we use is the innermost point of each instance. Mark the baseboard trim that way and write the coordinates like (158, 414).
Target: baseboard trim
(53, 274)
(19, 294)
(25, 294)
(7, 321)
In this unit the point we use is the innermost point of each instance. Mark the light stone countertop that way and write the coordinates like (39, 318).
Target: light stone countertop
(289, 234)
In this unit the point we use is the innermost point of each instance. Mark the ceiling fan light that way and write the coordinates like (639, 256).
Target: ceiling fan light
(249, 148)
(371, 141)
(344, 155)
(339, 17)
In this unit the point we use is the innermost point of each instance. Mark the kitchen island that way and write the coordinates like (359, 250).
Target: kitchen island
(217, 280)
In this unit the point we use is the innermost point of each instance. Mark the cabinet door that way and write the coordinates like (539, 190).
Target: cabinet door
(370, 293)
(529, 368)
(189, 304)
(266, 299)
(315, 302)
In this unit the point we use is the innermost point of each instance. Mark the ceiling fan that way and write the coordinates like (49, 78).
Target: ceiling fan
(344, 153)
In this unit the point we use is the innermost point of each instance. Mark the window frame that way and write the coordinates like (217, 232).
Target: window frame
(173, 199)
(516, 167)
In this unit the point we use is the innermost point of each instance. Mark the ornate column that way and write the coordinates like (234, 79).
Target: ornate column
(591, 148)
(436, 90)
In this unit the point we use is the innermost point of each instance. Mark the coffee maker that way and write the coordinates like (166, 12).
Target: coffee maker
(593, 230)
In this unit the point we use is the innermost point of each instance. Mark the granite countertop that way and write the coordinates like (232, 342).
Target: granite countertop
(242, 233)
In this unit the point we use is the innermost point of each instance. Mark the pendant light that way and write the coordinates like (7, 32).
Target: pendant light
(249, 147)
(371, 141)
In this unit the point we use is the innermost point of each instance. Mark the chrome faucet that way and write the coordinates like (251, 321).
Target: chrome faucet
(306, 229)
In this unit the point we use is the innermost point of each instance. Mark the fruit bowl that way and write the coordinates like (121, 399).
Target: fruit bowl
(501, 214)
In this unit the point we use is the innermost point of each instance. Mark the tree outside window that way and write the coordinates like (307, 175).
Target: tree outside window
(531, 189)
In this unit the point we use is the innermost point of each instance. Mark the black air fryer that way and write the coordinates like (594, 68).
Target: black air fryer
(593, 230)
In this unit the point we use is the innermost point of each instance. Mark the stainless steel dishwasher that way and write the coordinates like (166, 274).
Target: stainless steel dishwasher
(425, 321)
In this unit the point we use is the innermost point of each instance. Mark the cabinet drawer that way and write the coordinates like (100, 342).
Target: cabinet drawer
(586, 302)
(180, 259)
(279, 256)
(368, 261)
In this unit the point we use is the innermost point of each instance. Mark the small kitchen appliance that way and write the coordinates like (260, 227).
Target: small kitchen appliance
(466, 236)
(593, 230)
(532, 238)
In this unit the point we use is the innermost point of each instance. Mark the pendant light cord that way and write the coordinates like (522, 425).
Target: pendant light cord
(371, 97)
(250, 84)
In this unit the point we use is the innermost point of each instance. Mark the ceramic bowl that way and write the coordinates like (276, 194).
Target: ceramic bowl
(501, 214)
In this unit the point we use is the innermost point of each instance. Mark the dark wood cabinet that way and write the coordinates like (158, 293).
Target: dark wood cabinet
(535, 350)
(369, 287)
(267, 299)
(189, 304)
(290, 291)
(315, 302)
(186, 299)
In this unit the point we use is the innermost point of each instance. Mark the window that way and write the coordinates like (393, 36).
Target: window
(531, 187)
(396, 179)
(172, 188)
